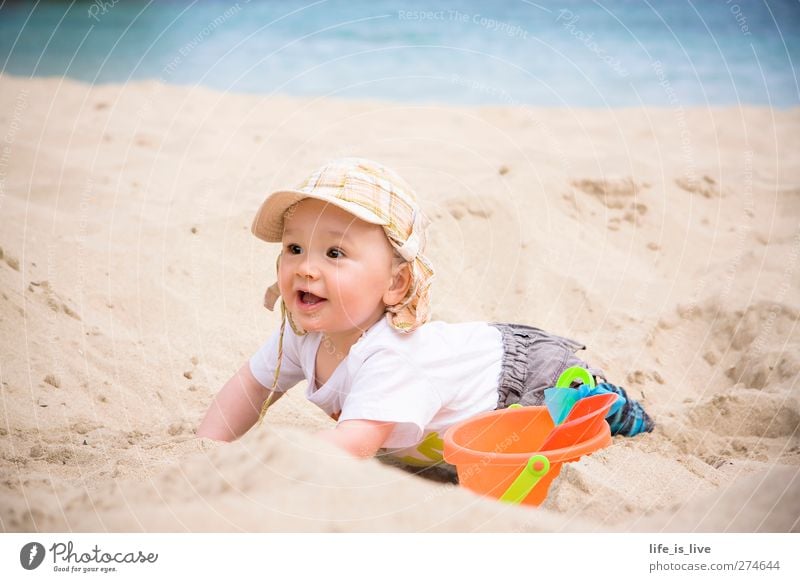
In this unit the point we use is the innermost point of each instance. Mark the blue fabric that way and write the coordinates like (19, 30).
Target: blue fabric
(604, 388)
(626, 417)
(560, 401)
(630, 418)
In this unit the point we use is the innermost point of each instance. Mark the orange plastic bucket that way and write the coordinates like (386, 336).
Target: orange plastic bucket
(492, 449)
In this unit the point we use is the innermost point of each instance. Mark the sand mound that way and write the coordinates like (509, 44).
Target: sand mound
(130, 291)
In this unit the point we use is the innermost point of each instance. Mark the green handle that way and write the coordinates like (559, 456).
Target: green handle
(536, 468)
(574, 373)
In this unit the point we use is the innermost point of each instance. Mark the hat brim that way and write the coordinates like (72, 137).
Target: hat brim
(268, 222)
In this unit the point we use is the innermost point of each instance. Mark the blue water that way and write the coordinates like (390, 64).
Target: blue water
(569, 53)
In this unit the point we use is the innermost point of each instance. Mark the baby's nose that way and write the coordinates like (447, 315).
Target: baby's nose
(308, 269)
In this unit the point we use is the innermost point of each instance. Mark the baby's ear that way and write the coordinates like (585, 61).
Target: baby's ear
(401, 281)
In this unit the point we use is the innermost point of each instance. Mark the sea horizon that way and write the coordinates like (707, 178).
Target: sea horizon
(551, 54)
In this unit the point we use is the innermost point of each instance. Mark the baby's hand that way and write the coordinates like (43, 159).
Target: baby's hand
(360, 438)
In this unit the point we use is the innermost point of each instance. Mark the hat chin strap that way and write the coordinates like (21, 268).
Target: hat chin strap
(271, 296)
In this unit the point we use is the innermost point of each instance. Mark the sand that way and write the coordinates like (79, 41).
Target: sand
(666, 240)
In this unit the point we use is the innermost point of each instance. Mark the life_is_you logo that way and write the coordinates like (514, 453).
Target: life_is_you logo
(65, 557)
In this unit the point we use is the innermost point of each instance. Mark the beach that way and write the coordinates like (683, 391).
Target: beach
(665, 239)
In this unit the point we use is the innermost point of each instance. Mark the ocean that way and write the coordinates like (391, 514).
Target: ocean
(615, 53)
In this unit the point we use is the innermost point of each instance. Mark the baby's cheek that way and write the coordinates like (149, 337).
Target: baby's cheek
(340, 277)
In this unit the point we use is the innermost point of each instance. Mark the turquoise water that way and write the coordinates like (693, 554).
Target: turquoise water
(609, 54)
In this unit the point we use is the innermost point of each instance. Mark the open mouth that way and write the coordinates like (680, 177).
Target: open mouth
(307, 298)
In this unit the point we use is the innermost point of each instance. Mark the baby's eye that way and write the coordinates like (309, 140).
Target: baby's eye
(335, 253)
(293, 249)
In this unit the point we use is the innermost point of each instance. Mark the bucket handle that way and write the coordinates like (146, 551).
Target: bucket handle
(574, 373)
(536, 468)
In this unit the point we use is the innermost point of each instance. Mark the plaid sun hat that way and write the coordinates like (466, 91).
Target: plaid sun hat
(376, 195)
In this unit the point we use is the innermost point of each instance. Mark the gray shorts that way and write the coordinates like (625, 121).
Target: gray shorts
(532, 361)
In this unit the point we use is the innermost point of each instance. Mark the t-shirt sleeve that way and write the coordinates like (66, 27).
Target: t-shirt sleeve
(389, 388)
(265, 360)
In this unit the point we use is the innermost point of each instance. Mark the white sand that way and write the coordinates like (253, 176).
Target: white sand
(131, 287)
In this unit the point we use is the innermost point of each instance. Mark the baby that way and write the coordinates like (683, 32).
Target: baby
(354, 284)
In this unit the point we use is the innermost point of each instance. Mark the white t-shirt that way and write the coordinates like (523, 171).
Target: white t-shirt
(425, 381)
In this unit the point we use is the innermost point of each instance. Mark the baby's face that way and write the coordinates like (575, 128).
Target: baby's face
(335, 268)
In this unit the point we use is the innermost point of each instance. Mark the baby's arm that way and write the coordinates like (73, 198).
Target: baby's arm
(236, 407)
(360, 438)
